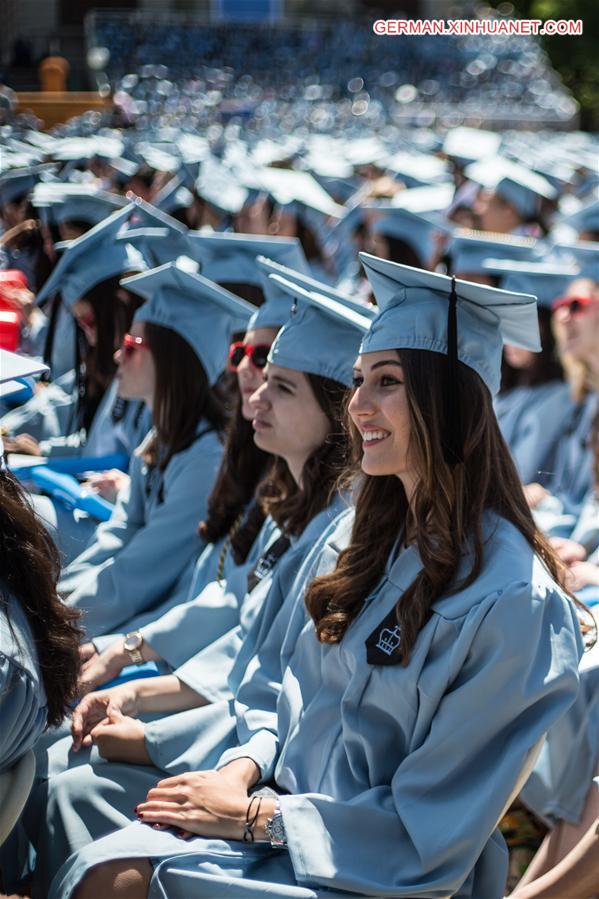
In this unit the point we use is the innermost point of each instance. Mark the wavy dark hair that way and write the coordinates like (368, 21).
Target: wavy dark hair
(182, 397)
(30, 569)
(293, 507)
(113, 307)
(545, 366)
(447, 507)
(243, 467)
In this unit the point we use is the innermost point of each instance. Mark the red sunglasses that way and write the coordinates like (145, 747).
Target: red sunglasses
(131, 343)
(257, 353)
(574, 305)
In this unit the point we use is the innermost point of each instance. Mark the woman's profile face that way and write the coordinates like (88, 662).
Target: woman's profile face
(517, 357)
(577, 328)
(136, 373)
(379, 410)
(83, 314)
(288, 420)
(249, 377)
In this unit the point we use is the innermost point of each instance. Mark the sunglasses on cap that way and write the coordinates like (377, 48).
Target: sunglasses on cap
(131, 344)
(257, 354)
(574, 305)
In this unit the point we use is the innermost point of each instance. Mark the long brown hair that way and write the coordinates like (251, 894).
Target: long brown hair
(447, 507)
(113, 307)
(30, 568)
(545, 366)
(182, 397)
(291, 507)
(242, 468)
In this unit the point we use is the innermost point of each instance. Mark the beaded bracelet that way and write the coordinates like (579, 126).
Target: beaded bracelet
(250, 820)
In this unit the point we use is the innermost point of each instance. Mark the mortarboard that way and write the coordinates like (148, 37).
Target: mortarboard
(322, 337)
(232, 257)
(200, 311)
(92, 258)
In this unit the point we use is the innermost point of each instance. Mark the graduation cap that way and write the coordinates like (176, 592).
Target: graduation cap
(16, 183)
(414, 229)
(418, 169)
(217, 185)
(584, 253)
(585, 219)
(200, 311)
(289, 187)
(75, 202)
(144, 213)
(462, 320)
(469, 250)
(13, 368)
(92, 258)
(232, 257)
(277, 300)
(544, 280)
(322, 337)
(515, 183)
(157, 244)
(469, 144)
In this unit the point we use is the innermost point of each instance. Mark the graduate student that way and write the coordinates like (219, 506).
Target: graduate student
(38, 634)
(171, 360)
(534, 405)
(575, 323)
(435, 656)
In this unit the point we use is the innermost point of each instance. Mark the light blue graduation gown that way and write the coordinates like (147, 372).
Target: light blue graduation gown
(23, 705)
(532, 421)
(418, 761)
(572, 474)
(138, 555)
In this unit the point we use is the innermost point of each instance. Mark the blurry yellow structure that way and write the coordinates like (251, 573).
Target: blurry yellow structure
(54, 104)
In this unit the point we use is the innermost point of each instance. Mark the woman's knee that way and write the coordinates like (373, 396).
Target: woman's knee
(120, 879)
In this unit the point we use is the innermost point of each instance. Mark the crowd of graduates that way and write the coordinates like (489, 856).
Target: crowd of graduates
(299, 514)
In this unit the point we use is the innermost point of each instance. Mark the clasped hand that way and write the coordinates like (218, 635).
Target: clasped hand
(206, 803)
(107, 719)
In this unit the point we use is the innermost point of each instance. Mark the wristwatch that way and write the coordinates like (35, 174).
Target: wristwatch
(275, 829)
(132, 645)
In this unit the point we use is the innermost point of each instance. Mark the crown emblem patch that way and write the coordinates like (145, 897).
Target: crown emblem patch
(382, 646)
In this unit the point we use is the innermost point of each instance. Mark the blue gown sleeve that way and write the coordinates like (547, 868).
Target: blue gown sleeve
(512, 671)
(155, 550)
(23, 707)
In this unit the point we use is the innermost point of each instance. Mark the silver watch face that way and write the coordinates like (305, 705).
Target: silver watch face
(133, 641)
(276, 829)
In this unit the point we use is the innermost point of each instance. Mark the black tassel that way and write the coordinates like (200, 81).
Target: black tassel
(453, 438)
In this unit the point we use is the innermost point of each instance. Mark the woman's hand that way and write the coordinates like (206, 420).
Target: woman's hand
(582, 574)
(96, 707)
(205, 803)
(121, 739)
(86, 652)
(534, 494)
(568, 550)
(22, 443)
(107, 483)
(102, 667)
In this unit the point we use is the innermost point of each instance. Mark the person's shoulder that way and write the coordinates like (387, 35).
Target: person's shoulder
(509, 565)
(17, 644)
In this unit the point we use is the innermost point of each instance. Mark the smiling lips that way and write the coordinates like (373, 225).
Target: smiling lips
(370, 438)
(259, 424)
